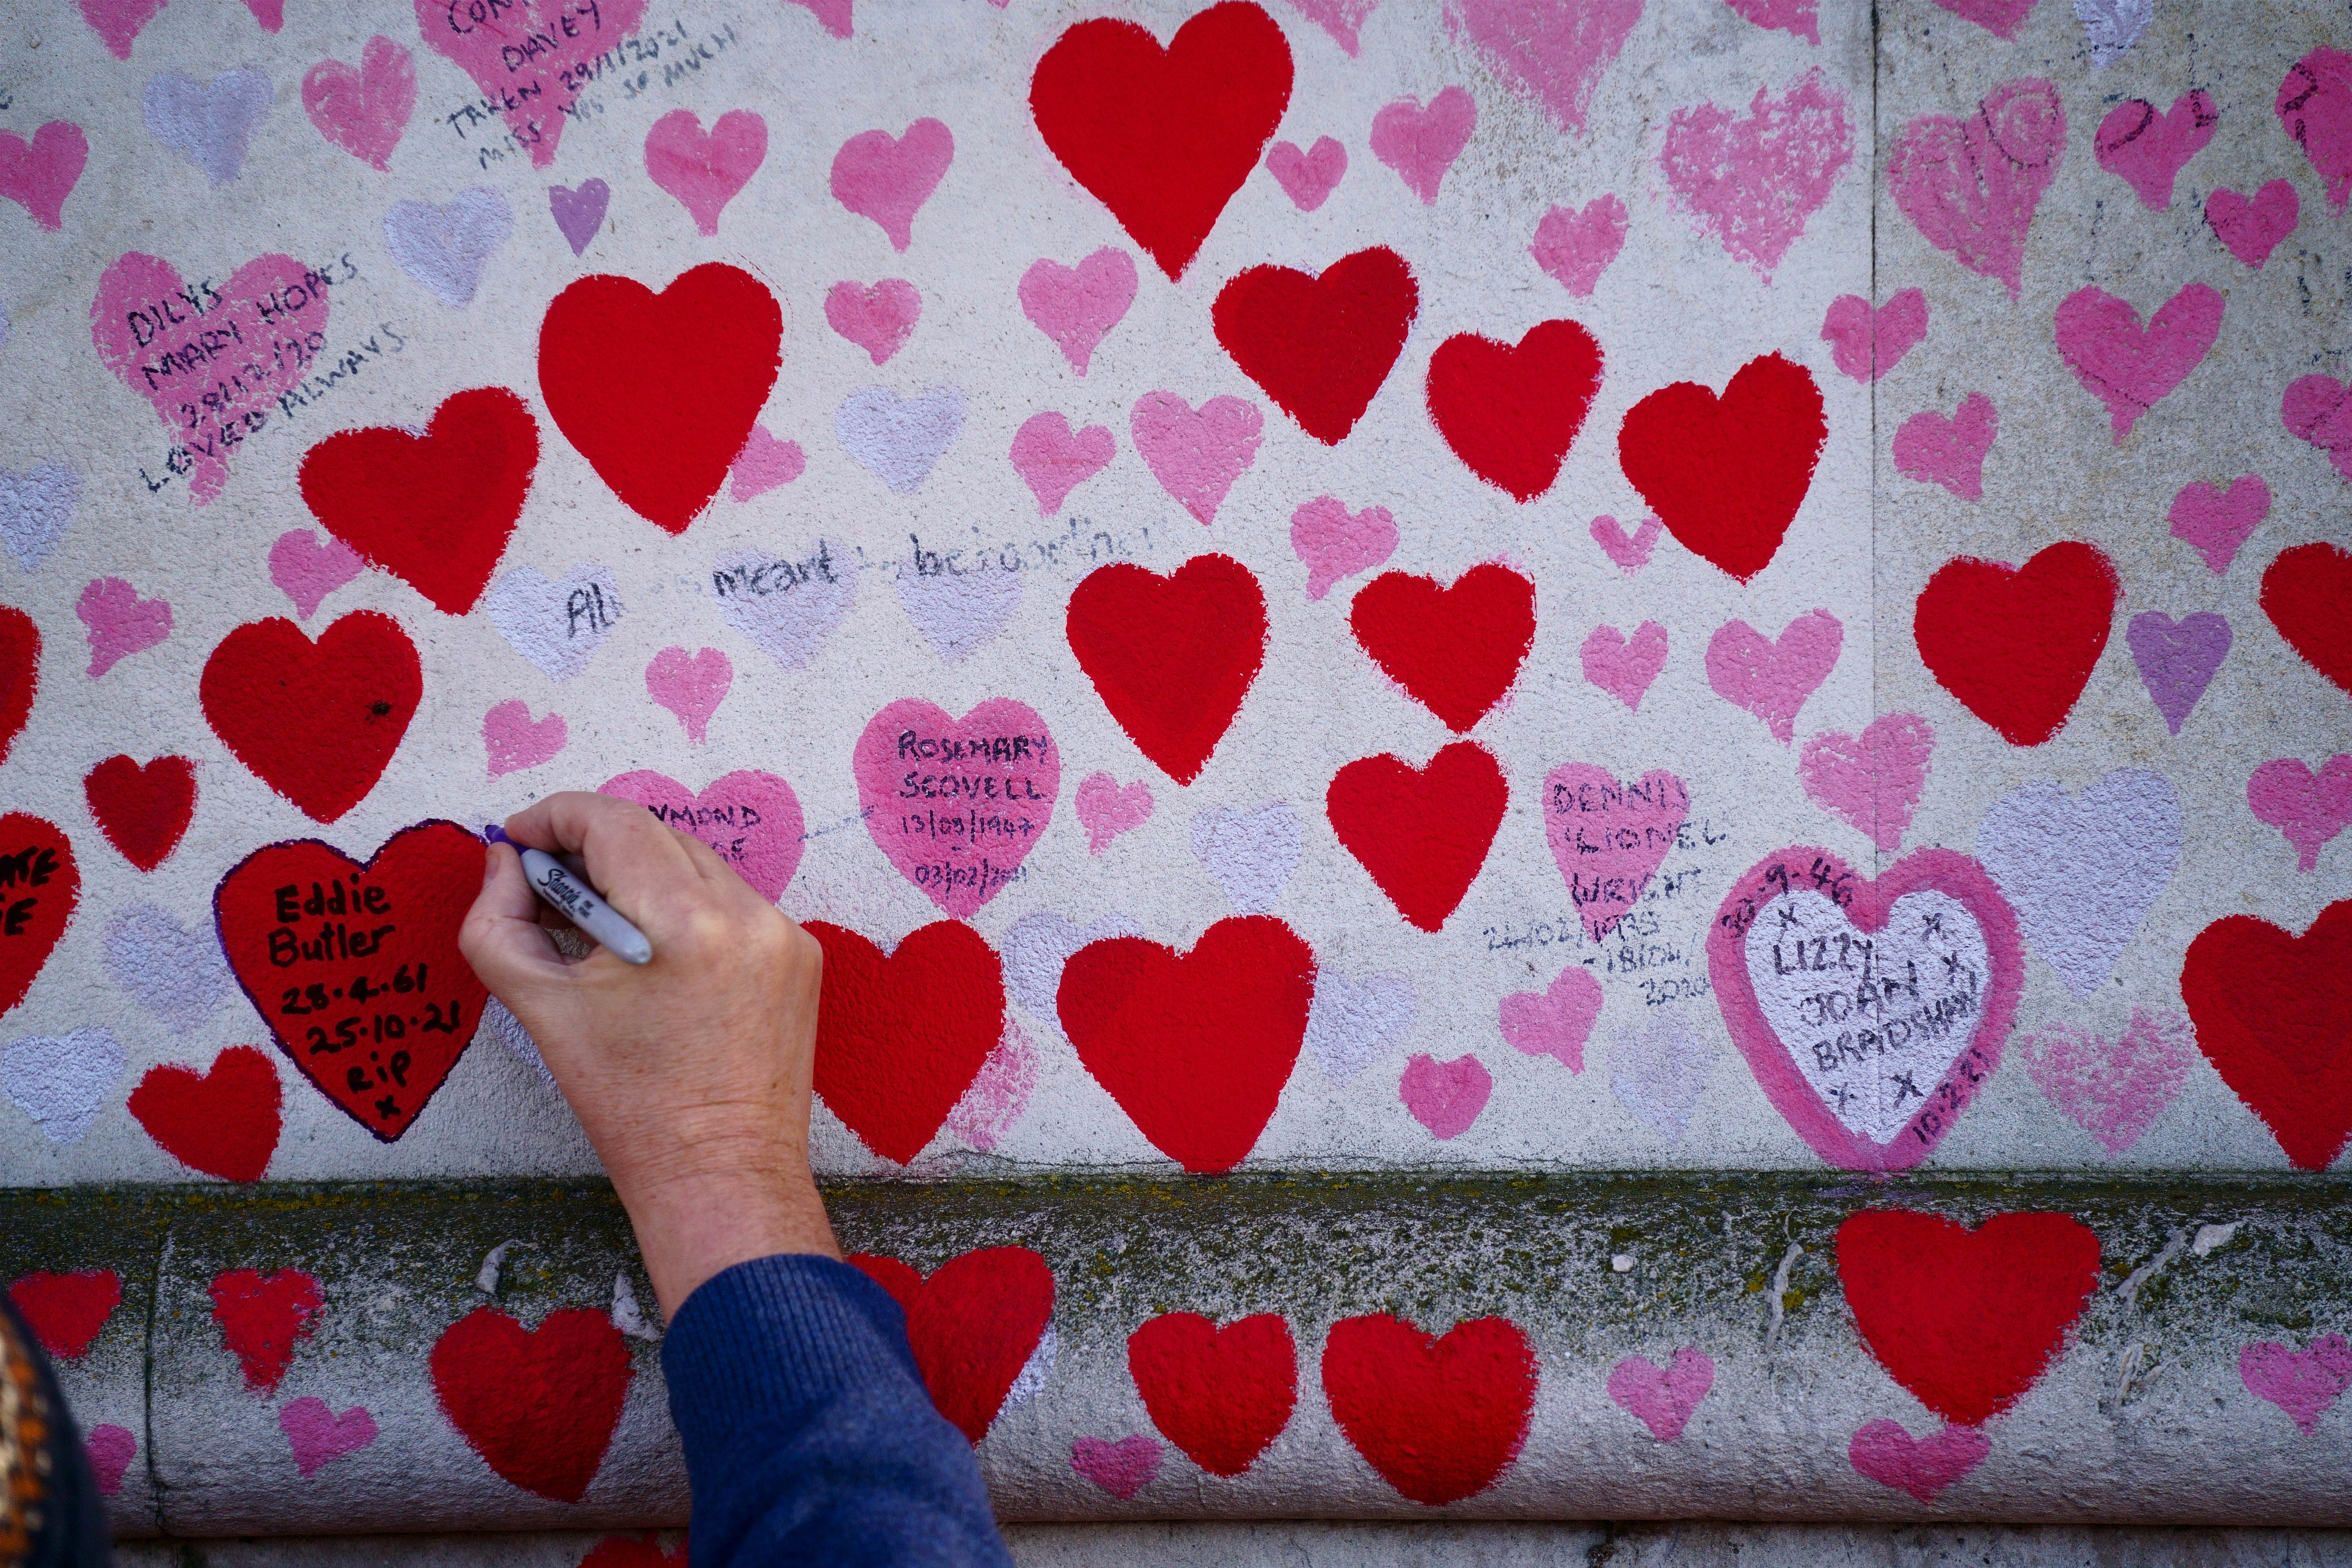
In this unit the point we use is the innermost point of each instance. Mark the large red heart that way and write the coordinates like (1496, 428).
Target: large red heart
(2273, 1015)
(1727, 475)
(260, 1316)
(20, 674)
(901, 1036)
(223, 1122)
(2017, 644)
(660, 391)
(1440, 1417)
(1172, 656)
(1455, 650)
(2307, 594)
(1320, 346)
(318, 722)
(355, 968)
(1422, 832)
(973, 1325)
(1220, 1395)
(539, 1404)
(39, 885)
(436, 508)
(142, 807)
(1164, 137)
(1510, 412)
(65, 1312)
(1966, 1320)
(1194, 1047)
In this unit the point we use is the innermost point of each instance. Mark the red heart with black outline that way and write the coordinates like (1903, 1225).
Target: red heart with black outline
(2273, 1015)
(973, 1325)
(65, 1312)
(39, 886)
(2017, 644)
(318, 722)
(1172, 656)
(261, 1316)
(1510, 412)
(1455, 650)
(1727, 475)
(1441, 1417)
(2307, 594)
(143, 808)
(901, 1036)
(1320, 345)
(355, 968)
(1221, 1395)
(539, 1405)
(20, 674)
(1422, 832)
(223, 1122)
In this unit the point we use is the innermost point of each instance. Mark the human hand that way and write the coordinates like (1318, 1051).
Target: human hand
(690, 1074)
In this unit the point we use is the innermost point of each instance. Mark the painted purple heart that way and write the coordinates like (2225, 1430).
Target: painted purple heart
(580, 213)
(2177, 659)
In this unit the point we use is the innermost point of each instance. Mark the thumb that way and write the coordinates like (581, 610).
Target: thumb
(501, 936)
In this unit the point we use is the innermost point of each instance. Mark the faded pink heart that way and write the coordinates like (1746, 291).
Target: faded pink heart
(1196, 454)
(999, 1091)
(879, 318)
(2129, 367)
(2147, 148)
(888, 178)
(2309, 808)
(1609, 839)
(118, 22)
(120, 623)
(1122, 1469)
(1576, 246)
(690, 685)
(364, 111)
(2315, 105)
(2215, 522)
(1923, 1467)
(39, 175)
(1108, 808)
(1971, 185)
(2305, 1383)
(1340, 18)
(1752, 183)
(1307, 178)
(2318, 409)
(1335, 543)
(705, 169)
(1663, 1398)
(1872, 781)
(833, 16)
(1076, 306)
(1053, 459)
(1949, 452)
(1553, 51)
(1421, 144)
(2250, 228)
(957, 805)
(1867, 343)
(1796, 17)
(270, 14)
(111, 1450)
(764, 463)
(753, 818)
(1624, 667)
(535, 85)
(1630, 554)
(1445, 1097)
(515, 741)
(306, 568)
(2002, 18)
(1771, 678)
(1554, 1022)
(2114, 1089)
(318, 1436)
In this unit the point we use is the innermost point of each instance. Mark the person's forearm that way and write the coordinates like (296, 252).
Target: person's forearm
(691, 1226)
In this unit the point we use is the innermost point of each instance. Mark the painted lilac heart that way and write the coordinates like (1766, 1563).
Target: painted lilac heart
(175, 972)
(2250, 228)
(508, 1030)
(445, 247)
(2305, 1383)
(957, 613)
(62, 1081)
(579, 213)
(1053, 459)
(692, 686)
(1873, 780)
(318, 1436)
(120, 622)
(1951, 451)
(1659, 1071)
(2082, 871)
(1108, 808)
(1865, 344)
(36, 508)
(2129, 367)
(1122, 1469)
(1251, 854)
(1556, 1021)
(306, 568)
(879, 318)
(1553, 52)
(207, 123)
(786, 608)
(957, 805)
(1307, 178)
(1753, 182)
(514, 741)
(1923, 1467)
(364, 111)
(531, 86)
(2214, 522)
(1077, 306)
(1624, 667)
(1335, 543)
(1035, 951)
(1772, 677)
(1196, 454)
(1445, 1097)
(1663, 1398)
(1576, 244)
(2176, 659)
(1421, 144)
(2113, 1088)
(2112, 26)
(1971, 185)
(888, 178)
(2309, 808)
(2147, 147)
(896, 440)
(1352, 1024)
(558, 623)
(753, 818)
(1609, 839)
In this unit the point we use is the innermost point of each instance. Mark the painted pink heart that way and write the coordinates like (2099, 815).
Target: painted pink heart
(2315, 105)
(2147, 147)
(120, 623)
(999, 1091)
(1421, 144)
(1609, 838)
(888, 178)
(1663, 1398)
(1870, 1012)
(764, 463)
(1445, 1097)
(1340, 18)
(1122, 1469)
(1552, 51)
(955, 805)
(364, 111)
(1771, 678)
(879, 318)
(2309, 808)
(514, 741)
(2250, 228)
(2305, 1383)
(1053, 459)
(2129, 367)
(39, 175)
(1196, 454)
(318, 1436)
(1076, 306)
(1624, 667)
(1923, 1467)
(1307, 178)
(753, 818)
(1796, 17)
(2318, 409)
(1575, 246)
(833, 16)
(1108, 808)
(1867, 343)
(537, 80)
(1631, 554)
(307, 568)
(111, 1450)
(705, 169)
(1554, 1022)
(1950, 452)
(118, 22)
(2214, 522)
(690, 685)
(2114, 1089)
(2002, 18)
(270, 14)
(1335, 543)
(1873, 780)
(1971, 185)
(1753, 182)
(173, 343)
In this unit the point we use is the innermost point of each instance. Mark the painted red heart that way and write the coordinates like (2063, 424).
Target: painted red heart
(634, 1551)
(2307, 594)
(1320, 345)
(39, 885)
(143, 808)
(65, 1312)
(659, 391)
(1422, 832)
(539, 1405)
(355, 968)
(1441, 1417)
(1172, 656)
(2273, 1015)
(1220, 1395)
(973, 1325)
(1194, 1047)
(435, 510)
(261, 1316)
(1511, 412)
(1966, 1320)
(318, 722)
(223, 1122)
(901, 1036)
(1727, 475)
(1164, 137)
(1455, 650)
(20, 674)
(2017, 644)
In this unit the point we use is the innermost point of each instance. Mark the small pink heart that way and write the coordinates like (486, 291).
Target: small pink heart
(1076, 306)
(2127, 366)
(1624, 667)
(1949, 452)
(2250, 228)
(764, 463)
(833, 16)
(692, 686)
(2314, 106)
(1631, 554)
(39, 175)
(1196, 454)
(363, 111)
(1108, 808)
(888, 178)
(705, 169)
(1335, 543)
(318, 1436)
(1421, 144)
(306, 568)
(1795, 18)
(1923, 1467)
(515, 741)
(1544, 50)
(879, 318)
(111, 1450)
(2309, 808)
(2147, 148)
(1053, 459)
(1663, 1398)
(2303, 1384)
(1874, 780)
(1770, 678)
(117, 21)
(1445, 1097)
(120, 623)
(1307, 178)
(1577, 246)
(1122, 1469)
(1867, 343)
(2215, 522)
(2318, 409)
(2113, 1089)
(1555, 1022)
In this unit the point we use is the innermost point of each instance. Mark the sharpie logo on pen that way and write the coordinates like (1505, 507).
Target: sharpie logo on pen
(561, 890)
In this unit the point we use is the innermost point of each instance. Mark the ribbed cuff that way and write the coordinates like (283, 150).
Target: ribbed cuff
(765, 1340)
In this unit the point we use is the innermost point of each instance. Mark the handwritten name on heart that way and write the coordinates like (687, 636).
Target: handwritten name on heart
(536, 79)
(558, 625)
(1609, 839)
(1752, 183)
(957, 805)
(753, 818)
(1971, 185)
(787, 608)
